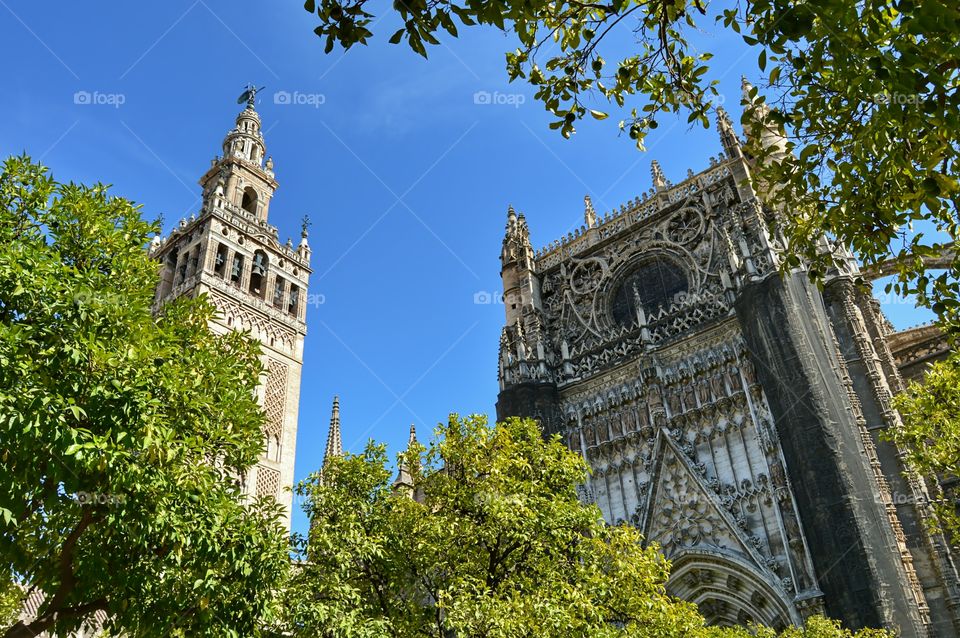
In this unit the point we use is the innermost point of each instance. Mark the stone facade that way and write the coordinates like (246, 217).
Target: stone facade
(231, 253)
(731, 414)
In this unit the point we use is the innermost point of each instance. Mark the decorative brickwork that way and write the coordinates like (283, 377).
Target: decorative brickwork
(268, 482)
(275, 397)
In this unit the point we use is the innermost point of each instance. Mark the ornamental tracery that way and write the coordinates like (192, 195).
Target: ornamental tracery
(590, 300)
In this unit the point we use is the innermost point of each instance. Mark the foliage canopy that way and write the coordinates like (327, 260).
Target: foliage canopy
(122, 433)
(487, 538)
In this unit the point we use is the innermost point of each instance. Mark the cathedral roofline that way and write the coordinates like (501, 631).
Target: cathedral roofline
(639, 209)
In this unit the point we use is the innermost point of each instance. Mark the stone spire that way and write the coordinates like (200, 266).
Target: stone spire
(770, 137)
(334, 441)
(589, 214)
(728, 136)
(404, 479)
(659, 179)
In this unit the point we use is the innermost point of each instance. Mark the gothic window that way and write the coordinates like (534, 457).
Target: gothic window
(220, 264)
(278, 286)
(249, 201)
(194, 261)
(653, 284)
(166, 281)
(181, 271)
(236, 272)
(294, 304)
(258, 274)
(272, 448)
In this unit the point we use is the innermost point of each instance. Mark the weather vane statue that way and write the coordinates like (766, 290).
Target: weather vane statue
(250, 95)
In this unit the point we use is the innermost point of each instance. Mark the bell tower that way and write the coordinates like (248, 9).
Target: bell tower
(231, 252)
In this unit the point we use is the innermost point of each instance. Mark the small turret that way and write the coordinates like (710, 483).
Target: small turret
(521, 288)
(303, 249)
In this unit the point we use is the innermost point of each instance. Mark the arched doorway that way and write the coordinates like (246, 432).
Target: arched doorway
(729, 591)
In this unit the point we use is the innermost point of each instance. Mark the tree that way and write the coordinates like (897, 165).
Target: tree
(931, 437)
(122, 433)
(11, 602)
(866, 98)
(486, 538)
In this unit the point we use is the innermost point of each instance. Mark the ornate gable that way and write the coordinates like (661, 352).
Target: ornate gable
(683, 513)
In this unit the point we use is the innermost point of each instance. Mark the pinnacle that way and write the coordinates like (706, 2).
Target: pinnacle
(334, 440)
(659, 179)
(413, 435)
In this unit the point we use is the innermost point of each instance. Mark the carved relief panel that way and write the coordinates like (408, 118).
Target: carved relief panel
(681, 444)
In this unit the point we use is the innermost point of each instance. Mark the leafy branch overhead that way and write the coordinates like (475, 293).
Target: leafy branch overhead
(863, 96)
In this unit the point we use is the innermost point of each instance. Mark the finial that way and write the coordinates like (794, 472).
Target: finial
(250, 95)
(659, 179)
(304, 225)
(589, 214)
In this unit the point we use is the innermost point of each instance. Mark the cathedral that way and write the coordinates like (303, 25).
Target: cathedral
(231, 253)
(733, 415)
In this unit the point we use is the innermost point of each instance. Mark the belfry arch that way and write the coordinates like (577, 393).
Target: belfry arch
(249, 200)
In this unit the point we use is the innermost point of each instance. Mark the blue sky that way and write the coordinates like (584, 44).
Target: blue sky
(405, 177)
